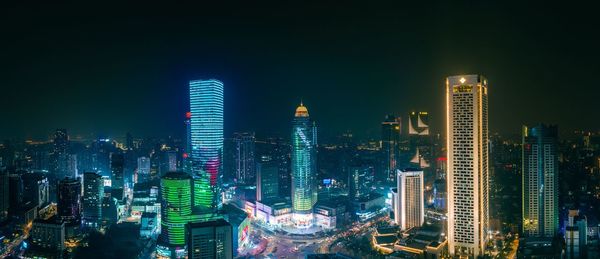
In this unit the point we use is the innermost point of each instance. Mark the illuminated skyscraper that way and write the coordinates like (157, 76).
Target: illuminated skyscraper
(206, 127)
(304, 168)
(540, 181)
(245, 165)
(411, 204)
(60, 155)
(176, 208)
(468, 180)
(267, 181)
(390, 138)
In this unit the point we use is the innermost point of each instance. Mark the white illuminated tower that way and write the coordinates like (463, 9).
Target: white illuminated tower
(411, 205)
(206, 128)
(468, 178)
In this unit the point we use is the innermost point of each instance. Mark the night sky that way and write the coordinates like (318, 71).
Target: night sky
(113, 69)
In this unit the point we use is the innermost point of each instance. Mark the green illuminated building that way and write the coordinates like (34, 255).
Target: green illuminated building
(176, 208)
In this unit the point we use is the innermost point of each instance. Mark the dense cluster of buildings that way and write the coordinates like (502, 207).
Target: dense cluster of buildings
(201, 197)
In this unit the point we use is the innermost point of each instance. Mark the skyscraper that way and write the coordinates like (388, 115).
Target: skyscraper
(468, 180)
(245, 165)
(390, 139)
(267, 180)
(540, 181)
(143, 169)
(117, 163)
(93, 192)
(411, 204)
(304, 168)
(36, 189)
(69, 200)
(60, 155)
(210, 239)
(176, 208)
(206, 126)
(4, 194)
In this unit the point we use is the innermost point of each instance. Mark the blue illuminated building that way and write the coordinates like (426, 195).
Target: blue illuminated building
(206, 128)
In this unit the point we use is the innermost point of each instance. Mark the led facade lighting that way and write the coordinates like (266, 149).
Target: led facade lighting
(206, 128)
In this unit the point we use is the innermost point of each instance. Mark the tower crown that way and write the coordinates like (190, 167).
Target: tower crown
(301, 111)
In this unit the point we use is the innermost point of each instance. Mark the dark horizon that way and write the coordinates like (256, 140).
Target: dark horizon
(115, 70)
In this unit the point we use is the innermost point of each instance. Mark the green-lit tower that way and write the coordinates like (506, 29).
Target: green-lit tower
(304, 168)
(176, 211)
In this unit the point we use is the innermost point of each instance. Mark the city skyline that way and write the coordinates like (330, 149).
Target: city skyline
(402, 55)
(175, 133)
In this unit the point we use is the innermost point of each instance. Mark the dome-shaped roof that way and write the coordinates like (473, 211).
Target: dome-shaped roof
(301, 111)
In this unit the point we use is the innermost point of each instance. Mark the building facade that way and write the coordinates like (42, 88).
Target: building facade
(304, 168)
(267, 181)
(410, 204)
(176, 209)
(210, 239)
(540, 181)
(390, 140)
(468, 179)
(69, 200)
(93, 192)
(206, 127)
(245, 166)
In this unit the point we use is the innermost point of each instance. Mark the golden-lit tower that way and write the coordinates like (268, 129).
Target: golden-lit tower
(468, 177)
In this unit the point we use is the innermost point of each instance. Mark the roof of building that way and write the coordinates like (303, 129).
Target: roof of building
(301, 111)
(211, 223)
(387, 230)
(386, 240)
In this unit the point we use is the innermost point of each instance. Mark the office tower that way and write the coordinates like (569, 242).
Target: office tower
(411, 204)
(187, 162)
(176, 208)
(60, 155)
(4, 194)
(49, 234)
(210, 239)
(171, 157)
(36, 189)
(576, 235)
(360, 180)
(117, 162)
(15, 193)
(206, 126)
(390, 139)
(245, 165)
(468, 180)
(109, 210)
(540, 181)
(93, 192)
(267, 181)
(69, 200)
(143, 169)
(304, 168)
(72, 171)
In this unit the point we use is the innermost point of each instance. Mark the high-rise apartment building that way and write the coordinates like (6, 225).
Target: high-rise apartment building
(206, 127)
(69, 200)
(117, 164)
(540, 181)
(468, 179)
(411, 204)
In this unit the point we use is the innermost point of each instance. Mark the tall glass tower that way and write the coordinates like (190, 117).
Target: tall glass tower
(304, 168)
(206, 128)
(390, 139)
(540, 181)
(176, 210)
(468, 178)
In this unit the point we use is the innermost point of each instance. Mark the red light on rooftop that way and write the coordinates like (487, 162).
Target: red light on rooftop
(188, 115)
(442, 159)
(185, 155)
